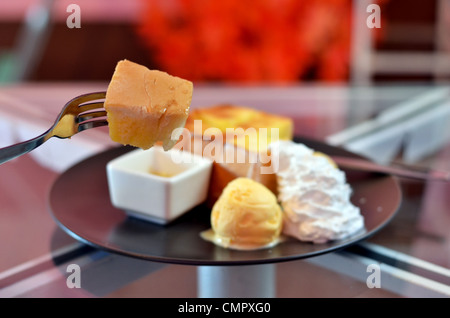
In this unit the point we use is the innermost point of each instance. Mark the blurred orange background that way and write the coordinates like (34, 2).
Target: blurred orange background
(270, 41)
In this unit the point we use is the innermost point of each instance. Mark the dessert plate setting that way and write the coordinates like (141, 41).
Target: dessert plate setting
(88, 215)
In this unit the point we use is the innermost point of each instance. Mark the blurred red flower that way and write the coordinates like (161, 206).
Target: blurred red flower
(249, 41)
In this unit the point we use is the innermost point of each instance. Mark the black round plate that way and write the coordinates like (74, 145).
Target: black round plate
(79, 202)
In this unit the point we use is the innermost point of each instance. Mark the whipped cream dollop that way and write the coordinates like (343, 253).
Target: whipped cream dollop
(314, 195)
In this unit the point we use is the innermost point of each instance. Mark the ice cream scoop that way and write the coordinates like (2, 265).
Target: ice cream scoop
(246, 216)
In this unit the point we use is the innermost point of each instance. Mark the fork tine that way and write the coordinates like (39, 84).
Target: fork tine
(92, 123)
(89, 106)
(85, 98)
(90, 114)
(88, 109)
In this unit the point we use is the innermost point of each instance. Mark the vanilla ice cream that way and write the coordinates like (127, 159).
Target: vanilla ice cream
(314, 195)
(246, 216)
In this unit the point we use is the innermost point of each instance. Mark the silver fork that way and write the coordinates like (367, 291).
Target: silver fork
(81, 113)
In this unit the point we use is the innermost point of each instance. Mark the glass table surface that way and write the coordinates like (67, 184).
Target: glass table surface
(409, 257)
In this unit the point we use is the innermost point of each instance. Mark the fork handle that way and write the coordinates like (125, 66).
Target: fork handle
(21, 148)
(365, 165)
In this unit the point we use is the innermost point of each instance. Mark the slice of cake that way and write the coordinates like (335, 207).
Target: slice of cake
(145, 106)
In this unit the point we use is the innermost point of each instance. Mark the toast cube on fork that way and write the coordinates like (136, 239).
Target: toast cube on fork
(145, 106)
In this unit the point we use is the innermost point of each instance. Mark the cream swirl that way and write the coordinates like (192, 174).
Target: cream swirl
(314, 194)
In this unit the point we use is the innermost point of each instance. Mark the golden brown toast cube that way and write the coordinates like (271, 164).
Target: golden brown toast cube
(145, 106)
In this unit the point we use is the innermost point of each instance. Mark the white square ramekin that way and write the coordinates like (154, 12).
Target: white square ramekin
(137, 187)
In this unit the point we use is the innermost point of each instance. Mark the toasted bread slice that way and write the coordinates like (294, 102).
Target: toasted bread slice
(226, 116)
(145, 106)
(233, 117)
